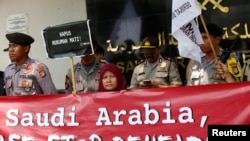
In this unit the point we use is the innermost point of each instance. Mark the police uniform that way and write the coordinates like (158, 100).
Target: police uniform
(86, 81)
(206, 72)
(164, 72)
(30, 78)
(160, 70)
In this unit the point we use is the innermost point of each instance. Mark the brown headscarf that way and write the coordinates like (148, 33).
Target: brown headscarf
(117, 72)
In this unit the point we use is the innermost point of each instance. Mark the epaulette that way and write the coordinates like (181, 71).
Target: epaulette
(11, 64)
(34, 61)
(169, 59)
(140, 61)
(103, 62)
(76, 66)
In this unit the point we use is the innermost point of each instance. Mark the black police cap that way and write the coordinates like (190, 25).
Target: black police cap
(19, 38)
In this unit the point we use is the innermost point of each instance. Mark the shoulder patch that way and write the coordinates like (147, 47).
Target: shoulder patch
(140, 61)
(169, 58)
(41, 70)
(27, 68)
(103, 62)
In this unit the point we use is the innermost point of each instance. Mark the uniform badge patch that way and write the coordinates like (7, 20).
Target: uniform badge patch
(163, 65)
(41, 71)
(27, 68)
(8, 84)
(25, 84)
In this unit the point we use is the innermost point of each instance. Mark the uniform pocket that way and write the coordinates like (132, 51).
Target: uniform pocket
(25, 84)
(161, 74)
(79, 85)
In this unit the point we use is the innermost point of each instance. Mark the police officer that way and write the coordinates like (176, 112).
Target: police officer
(155, 71)
(25, 76)
(86, 74)
(209, 71)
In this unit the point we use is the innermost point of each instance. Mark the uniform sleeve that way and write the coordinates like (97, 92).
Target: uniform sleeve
(44, 79)
(174, 75)
(134, 83)
(68, 83)
(189, 68)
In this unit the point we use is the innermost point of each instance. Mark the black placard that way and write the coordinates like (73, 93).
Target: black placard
(68, 40)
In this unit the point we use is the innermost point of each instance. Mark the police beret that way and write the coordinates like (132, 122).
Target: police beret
(19, 38)
(212, 29)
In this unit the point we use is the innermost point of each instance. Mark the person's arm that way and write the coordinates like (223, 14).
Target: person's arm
(188, 69)
(223, 71)
(134, 83)
(174, 75)
(68, 83)
(45, 80)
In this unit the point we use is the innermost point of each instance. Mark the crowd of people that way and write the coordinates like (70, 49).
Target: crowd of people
(27, 76)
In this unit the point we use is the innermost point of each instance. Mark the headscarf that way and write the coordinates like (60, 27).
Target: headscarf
(121, 82)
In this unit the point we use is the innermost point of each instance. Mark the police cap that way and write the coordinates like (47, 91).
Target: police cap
(19, 38)
(149, 44)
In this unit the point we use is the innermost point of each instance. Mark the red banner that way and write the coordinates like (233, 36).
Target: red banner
(176, 114)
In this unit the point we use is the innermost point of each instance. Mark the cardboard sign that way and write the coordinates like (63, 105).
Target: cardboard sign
(68, 40)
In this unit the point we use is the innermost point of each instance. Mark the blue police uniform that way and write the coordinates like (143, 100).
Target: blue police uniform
(31, 78)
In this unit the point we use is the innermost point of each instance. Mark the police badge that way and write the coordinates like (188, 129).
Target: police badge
(25, 84)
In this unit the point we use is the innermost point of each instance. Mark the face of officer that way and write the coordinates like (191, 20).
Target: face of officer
(152, 54)
(88, 59)
(18, 53)
(109, 81)
(206, 47)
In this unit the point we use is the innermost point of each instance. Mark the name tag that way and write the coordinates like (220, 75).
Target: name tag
(195, 75)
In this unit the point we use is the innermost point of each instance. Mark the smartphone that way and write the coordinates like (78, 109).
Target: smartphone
(147, 82)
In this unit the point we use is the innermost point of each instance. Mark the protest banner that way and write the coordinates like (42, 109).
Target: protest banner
(163, 114)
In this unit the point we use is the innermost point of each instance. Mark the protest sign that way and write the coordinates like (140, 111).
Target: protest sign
(68, 40)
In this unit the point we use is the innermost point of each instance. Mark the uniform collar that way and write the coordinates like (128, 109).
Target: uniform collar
(203, 58)
(159, 61)
(23, 65)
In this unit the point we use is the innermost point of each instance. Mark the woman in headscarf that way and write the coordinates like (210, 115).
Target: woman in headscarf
(111, 78)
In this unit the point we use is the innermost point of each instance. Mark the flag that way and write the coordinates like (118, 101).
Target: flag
(185, 28)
